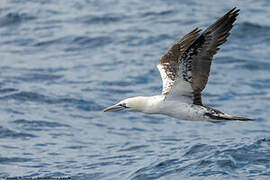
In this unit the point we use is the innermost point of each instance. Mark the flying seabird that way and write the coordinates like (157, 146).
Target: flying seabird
(184, 70)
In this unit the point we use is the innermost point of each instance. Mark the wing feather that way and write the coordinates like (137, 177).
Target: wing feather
(200, 54)
(168, 65)
(186, 66)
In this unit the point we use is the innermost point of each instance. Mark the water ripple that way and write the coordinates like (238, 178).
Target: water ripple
(36, 77)
(35, 97)
(14, 18)
(7, 133)
(248, 30)
(6, 160)
(155, 14)
(134, 148)
(38, 125)
(199, 149)
(100, 19)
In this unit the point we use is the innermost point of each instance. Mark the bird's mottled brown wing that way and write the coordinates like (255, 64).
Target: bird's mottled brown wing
(196, 60)
(170, 62)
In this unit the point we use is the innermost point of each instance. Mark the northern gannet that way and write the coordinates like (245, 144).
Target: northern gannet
(184, 70)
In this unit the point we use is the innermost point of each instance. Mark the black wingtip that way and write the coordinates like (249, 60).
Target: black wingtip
(234, 11)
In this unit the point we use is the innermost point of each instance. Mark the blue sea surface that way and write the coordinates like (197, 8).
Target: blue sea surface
(63, 61)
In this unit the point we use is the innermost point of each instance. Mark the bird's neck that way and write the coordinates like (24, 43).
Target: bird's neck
(151, 104)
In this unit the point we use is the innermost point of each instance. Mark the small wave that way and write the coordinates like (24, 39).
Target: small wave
(143, 78)
(92, 41)
(155, 14)
(199, 149)
(55, 41)
(48, 70)
(100, 19)
(76, 43)
(253, 32)
(170, 139)
(34, 77)
(5, 160)
(117, 157)
(35, 97)
(38, 125)
(116, 91)
(7, 133)
(259, 83)
(80, 104)
(75, 147)
(19, 42)
(226, 163)
(256, 65)
(228, 60)
(85, 42)
(248, 27)
(134, 148)
(134, 129)
(14, 18)
(116, 83)
(166, 163)
(100, 164)
(153, 39)
(256, 153)
(158, 170)
(26, 96)
(7, 90)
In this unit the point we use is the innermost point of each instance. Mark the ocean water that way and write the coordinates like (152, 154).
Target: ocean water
(63, 61)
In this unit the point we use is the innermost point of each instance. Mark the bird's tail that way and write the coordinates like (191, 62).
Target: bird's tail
(222, 117)
(236, 118)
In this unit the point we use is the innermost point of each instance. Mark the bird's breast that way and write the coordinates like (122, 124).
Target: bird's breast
(183, 111)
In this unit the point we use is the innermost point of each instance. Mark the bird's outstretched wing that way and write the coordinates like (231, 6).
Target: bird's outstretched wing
(169, 64)
(186, 66)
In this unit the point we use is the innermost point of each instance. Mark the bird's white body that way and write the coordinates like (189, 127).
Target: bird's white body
(176, 108)
(184, 111)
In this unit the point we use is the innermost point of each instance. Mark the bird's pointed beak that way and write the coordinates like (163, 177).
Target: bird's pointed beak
(115, 107)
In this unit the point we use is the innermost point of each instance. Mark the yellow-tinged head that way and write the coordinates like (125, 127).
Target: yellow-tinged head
(130, 104)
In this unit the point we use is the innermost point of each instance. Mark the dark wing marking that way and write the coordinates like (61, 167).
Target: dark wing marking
(196, 60)
(169, 63)
(218, 115)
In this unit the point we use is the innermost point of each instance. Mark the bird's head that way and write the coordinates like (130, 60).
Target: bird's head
(130, 104)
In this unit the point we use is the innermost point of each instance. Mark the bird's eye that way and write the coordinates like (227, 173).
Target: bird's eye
(123, 105)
